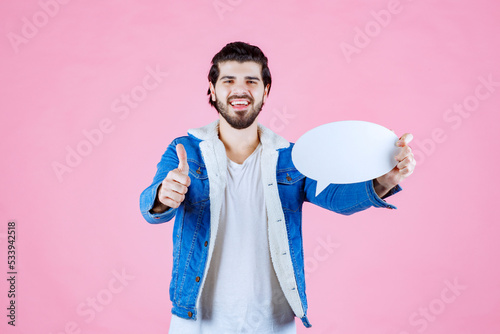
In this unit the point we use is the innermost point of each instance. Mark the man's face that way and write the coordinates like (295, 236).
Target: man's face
(239, 92)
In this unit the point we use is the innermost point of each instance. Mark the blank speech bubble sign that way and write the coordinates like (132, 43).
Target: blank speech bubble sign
(345, 152)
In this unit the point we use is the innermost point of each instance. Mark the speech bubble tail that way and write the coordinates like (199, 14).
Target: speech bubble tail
(320, 186)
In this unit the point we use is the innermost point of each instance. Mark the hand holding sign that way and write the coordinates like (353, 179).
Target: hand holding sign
(347, 152)
(405, 164)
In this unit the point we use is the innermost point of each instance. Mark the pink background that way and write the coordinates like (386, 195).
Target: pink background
(384, 271)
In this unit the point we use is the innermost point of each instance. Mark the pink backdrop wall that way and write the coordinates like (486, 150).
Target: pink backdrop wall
(87, 262)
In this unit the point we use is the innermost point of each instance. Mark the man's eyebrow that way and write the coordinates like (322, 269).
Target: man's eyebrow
(233, 77)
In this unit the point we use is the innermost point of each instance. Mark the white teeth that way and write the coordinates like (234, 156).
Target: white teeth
(239, 102)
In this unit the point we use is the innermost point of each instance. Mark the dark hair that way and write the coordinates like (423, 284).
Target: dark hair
(241, 52)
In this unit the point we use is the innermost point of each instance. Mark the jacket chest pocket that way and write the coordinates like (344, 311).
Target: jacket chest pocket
(291, 188)
(198, 191)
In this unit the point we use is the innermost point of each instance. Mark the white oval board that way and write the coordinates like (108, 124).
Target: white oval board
(345, 152)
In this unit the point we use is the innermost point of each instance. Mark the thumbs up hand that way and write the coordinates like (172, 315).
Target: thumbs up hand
(174, 187)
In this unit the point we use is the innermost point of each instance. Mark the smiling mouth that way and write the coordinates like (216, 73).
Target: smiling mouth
(239, 104)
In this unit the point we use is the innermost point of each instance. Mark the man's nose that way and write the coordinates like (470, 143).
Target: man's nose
(240, 88)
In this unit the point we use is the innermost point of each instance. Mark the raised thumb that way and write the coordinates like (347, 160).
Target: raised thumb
(183, 164)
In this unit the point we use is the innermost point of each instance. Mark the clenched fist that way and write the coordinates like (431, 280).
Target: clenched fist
(174, 187)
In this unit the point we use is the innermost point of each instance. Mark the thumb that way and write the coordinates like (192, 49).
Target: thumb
(183, 164)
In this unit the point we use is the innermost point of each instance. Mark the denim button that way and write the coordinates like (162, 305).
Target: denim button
(190, 314)
(197, 278)
(206, 243)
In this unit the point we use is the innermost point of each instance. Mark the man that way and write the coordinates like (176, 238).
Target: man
(238, 263)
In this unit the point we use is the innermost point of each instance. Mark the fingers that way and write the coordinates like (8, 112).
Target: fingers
(177, 176)
(172, 193)
(171, 198)
(174, 188)
(404, 140)
(183, 164)
(403, 153)
(407, 165)
(407, 162)
(170, 202)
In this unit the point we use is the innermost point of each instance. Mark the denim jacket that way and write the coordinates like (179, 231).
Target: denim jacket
(285, 190)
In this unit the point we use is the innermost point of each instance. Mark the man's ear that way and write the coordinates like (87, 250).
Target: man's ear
(266, 91)
(212, 91)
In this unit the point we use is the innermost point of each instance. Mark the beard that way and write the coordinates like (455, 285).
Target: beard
(241, 120)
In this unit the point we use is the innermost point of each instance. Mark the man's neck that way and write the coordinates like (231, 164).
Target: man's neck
(239, 144)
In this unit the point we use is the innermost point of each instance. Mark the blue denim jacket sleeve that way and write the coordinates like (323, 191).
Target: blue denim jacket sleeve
(168, 162)
(347, 199)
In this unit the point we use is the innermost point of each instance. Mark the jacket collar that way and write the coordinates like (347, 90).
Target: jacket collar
(268, 138)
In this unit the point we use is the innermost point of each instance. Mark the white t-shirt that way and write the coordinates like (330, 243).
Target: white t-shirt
(241, 293)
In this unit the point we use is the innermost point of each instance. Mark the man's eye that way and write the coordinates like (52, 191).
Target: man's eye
(251, 81)
(228, 81)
